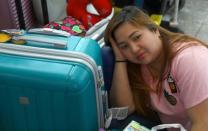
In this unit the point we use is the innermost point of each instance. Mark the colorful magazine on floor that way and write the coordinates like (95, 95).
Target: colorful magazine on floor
(135, 126)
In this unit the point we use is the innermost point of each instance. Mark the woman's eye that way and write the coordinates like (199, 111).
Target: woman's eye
(137, 37)
(122, 46)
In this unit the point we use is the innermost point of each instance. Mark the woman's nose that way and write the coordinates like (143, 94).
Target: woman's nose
(134, 48)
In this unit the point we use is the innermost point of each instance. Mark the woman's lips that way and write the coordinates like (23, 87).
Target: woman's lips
(141, 56)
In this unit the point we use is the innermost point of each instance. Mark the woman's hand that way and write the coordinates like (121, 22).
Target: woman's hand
(118, 55)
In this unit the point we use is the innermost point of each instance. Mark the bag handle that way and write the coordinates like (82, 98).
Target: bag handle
(164, 126)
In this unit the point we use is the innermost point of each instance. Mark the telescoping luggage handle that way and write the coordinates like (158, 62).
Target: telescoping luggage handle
(58, 43)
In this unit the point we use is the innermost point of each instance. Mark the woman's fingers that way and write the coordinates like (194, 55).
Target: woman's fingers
(116, 50)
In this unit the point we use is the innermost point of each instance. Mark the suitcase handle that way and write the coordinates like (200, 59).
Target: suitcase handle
(58, 43)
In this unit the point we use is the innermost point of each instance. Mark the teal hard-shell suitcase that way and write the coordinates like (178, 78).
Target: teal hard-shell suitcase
(54, 86)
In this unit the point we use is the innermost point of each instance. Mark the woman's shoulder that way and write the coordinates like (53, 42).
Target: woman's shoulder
(189, 48)
(190, 58)
(188, 55)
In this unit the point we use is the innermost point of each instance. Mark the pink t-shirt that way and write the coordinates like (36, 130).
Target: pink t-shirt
(190, 73)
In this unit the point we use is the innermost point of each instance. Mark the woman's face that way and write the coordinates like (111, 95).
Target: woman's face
(138, 45)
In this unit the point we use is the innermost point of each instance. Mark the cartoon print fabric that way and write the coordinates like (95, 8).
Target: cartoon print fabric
(68, 24)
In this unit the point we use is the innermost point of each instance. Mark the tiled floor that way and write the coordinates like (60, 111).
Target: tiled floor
(193, 18)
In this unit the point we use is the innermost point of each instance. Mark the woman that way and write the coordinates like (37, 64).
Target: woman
(158, 71)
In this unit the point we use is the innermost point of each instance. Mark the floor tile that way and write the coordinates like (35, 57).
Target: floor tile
(193, 18)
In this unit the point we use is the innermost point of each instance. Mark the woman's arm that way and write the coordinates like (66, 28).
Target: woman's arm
(199, 116)
(120, 93)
